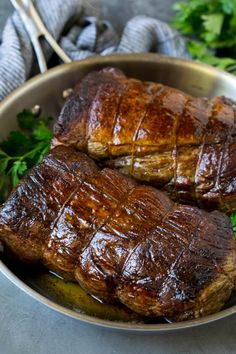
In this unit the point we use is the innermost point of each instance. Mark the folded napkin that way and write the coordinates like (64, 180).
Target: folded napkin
(80, 37)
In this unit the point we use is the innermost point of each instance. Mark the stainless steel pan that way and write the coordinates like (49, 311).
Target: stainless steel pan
(46, 90)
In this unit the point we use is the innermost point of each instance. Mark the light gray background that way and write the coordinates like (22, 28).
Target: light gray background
(27, 327)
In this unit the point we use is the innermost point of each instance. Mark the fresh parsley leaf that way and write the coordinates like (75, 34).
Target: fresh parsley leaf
(213, 23)
(210, 21)
(228, 6)
(212, 26)
(17, 171)
(199, 51)
(233, 221)
(42, 132)
(27, 120)
(16, 144)
(23, 149)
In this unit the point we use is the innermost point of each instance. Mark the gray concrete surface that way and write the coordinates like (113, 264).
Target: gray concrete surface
(28, 327)
(5, 10)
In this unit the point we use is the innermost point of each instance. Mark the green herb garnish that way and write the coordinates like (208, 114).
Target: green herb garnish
(212, 24)
(200, 52)
(23, 149)
(233, 221)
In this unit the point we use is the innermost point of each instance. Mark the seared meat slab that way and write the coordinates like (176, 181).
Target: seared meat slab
(156, 134)
(120, 240)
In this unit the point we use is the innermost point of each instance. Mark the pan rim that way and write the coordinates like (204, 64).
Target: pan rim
(130, 326)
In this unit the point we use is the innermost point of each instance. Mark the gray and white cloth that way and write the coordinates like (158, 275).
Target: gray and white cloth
(80, 37)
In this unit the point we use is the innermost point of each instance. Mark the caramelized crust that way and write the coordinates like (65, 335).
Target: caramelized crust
(120, 240)
(156, 134)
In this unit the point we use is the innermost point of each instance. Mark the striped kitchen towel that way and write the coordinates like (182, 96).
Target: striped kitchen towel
(80, 37)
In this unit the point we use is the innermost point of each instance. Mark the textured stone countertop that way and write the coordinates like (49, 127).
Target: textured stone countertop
(28, 327)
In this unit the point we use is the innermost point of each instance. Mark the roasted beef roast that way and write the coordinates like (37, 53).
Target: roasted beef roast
(155, 134)
(121, 241)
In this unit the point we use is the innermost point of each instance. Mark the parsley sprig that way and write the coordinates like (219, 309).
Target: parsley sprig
(23, 149)
(212, 25)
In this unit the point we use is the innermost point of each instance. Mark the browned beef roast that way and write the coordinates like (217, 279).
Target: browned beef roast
(156, 134)
(120, 240)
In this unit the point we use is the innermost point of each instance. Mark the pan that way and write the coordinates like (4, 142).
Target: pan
(46, 90)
